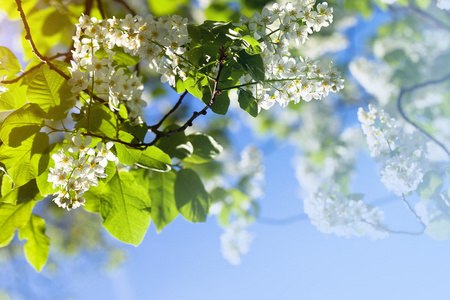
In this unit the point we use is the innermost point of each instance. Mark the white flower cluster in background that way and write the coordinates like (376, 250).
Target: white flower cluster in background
(74, 175)
(235, 241)
(290, 78)
(402, 154)
(158, 40)
(375, 78)
(332, 212)
(443, 4)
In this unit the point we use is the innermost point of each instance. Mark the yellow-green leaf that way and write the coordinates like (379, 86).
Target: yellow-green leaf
(38, 244)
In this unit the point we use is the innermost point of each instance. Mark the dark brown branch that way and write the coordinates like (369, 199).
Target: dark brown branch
(428, 17)
(33, 46)
(403, 115)
(88, 7)
(100, 8)
(126, 6)
(155, 127)
(33, 68)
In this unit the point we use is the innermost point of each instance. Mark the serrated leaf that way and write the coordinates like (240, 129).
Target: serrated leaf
(38, 244)
(205, 148)
(13, 217)
(14, 98)
(22, 162)
(128, 156)
(161, 190)
(9, 64)
(191, 198)
(12, 195)
(102, 121)
(176, 145)
(51, 92)
(125, 209)
(21, 124)
(253, 64)
(155, 159)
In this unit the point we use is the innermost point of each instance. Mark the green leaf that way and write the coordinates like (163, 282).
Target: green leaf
(205, 148)
(22, 163)
(164, 208)
(45, 163)
(11, 194)
(127, 156)
(21, 124)
(253, 64)
(9, 64)
(251, 45)
(102, 121)
(362, 6)
(430, 186)
(139, 130)
(439, 228)
(51, 92)
(423, 4)
(93, 197)
(14, 98)
(38, 244)
(13, 217)
(159, 8)
(155, 159)
(125, 209)
(248, 103)
(176, 145)
(191, 198)
(221, 101)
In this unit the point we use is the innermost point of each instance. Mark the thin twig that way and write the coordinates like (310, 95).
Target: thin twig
(403, 115)
(100, 8)
(33, 68)
(395, 231)
(88, 7)
(282, 221)
(33, 46)
(156, 126)
(413, 211)
(428, 17)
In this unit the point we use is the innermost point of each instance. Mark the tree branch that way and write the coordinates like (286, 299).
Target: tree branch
(413, 211)
(34, 68)
(33, 46)
(100, 8)
(403, 115)
(154, 128)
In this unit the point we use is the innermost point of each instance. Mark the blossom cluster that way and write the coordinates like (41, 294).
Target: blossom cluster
(235, 241)
(402, 154)
(75, 172)
(332, 212)
(290, 78)
(158, 40)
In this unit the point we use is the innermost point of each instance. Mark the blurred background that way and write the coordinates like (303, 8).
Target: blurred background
(262, 244)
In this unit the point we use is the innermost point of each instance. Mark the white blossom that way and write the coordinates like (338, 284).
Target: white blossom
(74, 175)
